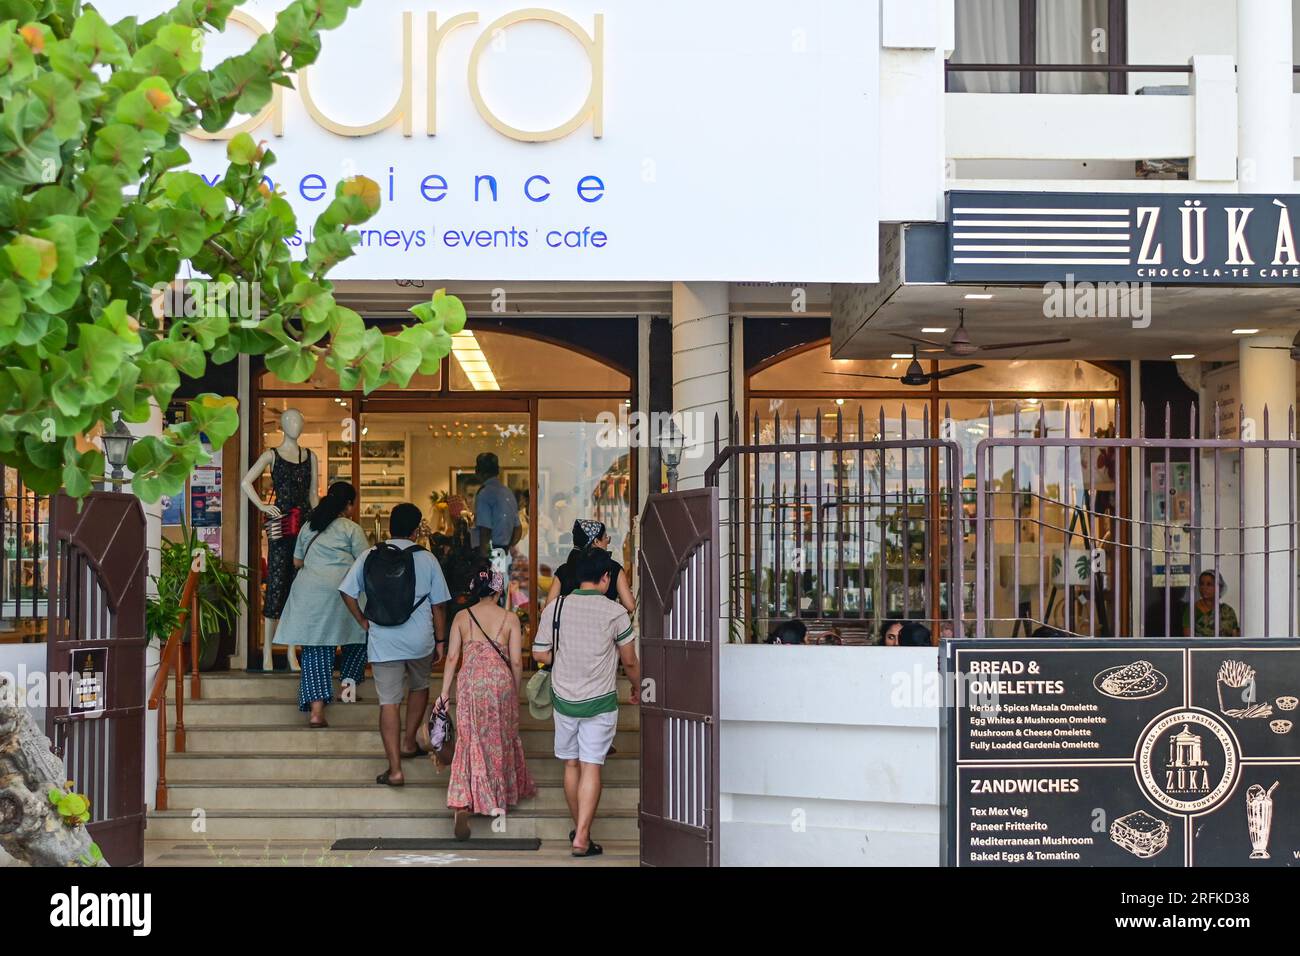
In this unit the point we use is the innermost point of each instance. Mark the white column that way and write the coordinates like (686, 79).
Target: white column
(152, 512)
(1264, 95)
(1268, 379)
(701, 360)
(701, 379)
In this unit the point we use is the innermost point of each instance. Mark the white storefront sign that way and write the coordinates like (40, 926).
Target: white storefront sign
(592, 140)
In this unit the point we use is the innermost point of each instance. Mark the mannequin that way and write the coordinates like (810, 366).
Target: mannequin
(294, 473)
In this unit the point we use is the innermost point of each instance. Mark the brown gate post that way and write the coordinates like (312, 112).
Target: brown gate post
(679, 661)
(98, 562)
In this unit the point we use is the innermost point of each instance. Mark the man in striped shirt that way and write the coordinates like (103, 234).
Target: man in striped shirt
(594, 635)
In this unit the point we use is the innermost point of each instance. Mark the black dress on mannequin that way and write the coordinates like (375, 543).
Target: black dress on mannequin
(291, 482)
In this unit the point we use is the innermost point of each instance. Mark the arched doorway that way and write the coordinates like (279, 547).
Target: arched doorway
(805, 392)
(538, 404)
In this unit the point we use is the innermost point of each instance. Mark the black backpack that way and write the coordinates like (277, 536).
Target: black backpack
(389, 579)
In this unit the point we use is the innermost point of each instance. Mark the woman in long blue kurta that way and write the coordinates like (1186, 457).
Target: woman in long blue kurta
(315, 618)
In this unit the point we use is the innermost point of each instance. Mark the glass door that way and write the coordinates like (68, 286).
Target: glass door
(428, 458)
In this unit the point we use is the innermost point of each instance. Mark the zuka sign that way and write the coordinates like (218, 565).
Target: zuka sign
(1122, 753)
(1162, 238)
(734, 140)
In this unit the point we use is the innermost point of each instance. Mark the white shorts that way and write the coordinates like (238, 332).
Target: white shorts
(584, 738)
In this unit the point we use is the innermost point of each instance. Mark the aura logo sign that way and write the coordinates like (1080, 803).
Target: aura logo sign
(1187, 761)
(436, 34)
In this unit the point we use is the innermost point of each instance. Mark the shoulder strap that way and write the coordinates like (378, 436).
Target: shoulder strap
(495, 647)
(555, 628)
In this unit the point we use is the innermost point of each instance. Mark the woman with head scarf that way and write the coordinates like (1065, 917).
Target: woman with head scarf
(314, 618)
(484, 667)
(589, 534)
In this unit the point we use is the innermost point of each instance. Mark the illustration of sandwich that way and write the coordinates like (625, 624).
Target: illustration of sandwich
(1131, 681)
(1140, 833)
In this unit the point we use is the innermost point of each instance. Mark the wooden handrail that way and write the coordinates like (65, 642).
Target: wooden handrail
(171, 658)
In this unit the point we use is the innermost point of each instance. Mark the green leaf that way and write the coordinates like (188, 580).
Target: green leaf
(401, 358)
(291, 363)
(242, 150)
(120, 145)
(450, 310)
(347, 331)
(150, 106)
(95, 39)
(33, 258)
(100, 194)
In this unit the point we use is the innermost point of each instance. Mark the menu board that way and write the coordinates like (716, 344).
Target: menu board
(1122, 753)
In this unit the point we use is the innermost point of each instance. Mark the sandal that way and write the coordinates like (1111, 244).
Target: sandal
(593, 849)
(385, 778)
(462, 830)
(317, 724)
(415, 753)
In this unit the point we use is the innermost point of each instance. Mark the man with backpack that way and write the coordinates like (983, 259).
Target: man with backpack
(405, 621)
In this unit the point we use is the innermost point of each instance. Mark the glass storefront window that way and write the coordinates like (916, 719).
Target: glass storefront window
(484, 361)
(1029, 375)
(24, 587)
(583, 471)
(881, 546)
(326, 422)
(814, 370)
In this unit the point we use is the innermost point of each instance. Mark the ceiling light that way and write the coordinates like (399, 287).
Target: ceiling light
(931, 330)
(901, 355)
(1244, 331)
(1183, 356)
(839, 401)
(979, 295)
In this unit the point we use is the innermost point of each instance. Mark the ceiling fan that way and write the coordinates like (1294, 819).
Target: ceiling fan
(915, 374)
(961, 345)
(1293, 348)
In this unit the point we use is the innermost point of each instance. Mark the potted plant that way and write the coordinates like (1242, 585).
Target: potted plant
(220, 596)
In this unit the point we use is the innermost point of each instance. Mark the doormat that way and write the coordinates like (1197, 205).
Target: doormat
(367, 843)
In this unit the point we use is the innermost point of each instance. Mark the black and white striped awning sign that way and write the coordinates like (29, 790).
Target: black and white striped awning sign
(1168, 238)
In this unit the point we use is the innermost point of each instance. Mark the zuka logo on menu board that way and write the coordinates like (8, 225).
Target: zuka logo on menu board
(1115, 753)
(1160, 238)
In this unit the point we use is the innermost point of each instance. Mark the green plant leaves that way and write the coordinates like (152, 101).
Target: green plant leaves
(32, 258)
(97, 212)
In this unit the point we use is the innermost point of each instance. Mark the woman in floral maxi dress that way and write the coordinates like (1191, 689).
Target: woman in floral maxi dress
(489, 773)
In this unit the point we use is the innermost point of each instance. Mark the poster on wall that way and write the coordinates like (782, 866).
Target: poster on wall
(173, 509)
(89, 667)
(1164, 753)
(1171, 518)
(212, 538)
(205, 498)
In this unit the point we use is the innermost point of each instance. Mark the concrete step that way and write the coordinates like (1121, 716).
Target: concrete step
(361, 797)
(327, 826)
(226, 712)
(361, 766)
(284, 687)
(300, 739)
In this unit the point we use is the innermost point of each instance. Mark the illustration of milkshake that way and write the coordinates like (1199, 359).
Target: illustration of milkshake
(1259, 819)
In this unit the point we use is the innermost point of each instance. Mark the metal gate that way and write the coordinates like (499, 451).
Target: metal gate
(98, 562)
(679, 657)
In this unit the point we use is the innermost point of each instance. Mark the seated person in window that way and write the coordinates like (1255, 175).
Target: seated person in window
(1209, 586)
(788, 632)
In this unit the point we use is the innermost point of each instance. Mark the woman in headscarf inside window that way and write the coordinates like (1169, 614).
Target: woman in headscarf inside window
(589, 534)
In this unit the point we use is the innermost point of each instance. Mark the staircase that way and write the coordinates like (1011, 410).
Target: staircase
(259, 773)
